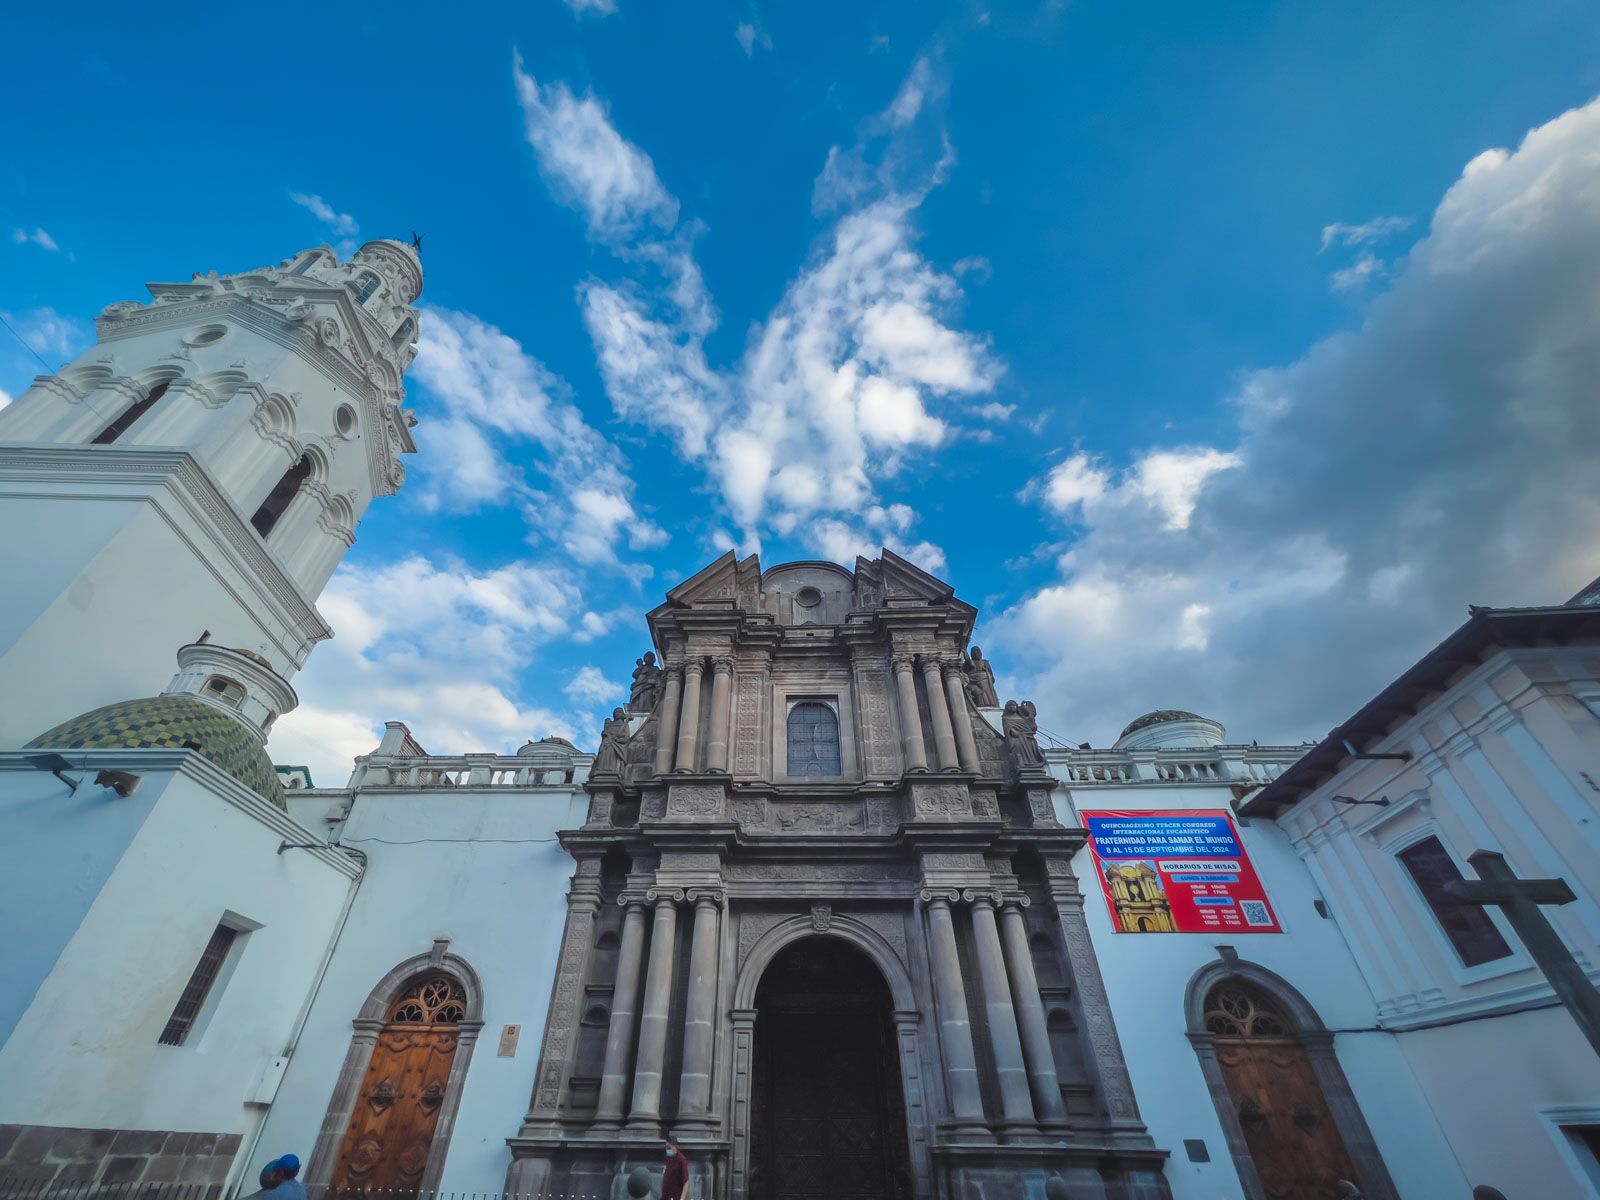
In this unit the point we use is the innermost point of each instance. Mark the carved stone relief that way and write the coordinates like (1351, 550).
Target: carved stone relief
(694, 800)
(809, 872)
(936, 801)
(748, 723)
(753, 927)
(653, 804)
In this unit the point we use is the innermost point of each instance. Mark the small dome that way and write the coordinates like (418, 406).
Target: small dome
(176, 723)
(405, 259)
(547, 744)
(1160, 717)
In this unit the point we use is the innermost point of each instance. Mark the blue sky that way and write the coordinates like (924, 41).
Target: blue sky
(1220, 353)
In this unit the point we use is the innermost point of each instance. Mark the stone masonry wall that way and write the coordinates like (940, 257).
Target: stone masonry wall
(44, 1157)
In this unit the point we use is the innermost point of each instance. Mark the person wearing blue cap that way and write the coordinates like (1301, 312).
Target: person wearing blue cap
(278, 1179)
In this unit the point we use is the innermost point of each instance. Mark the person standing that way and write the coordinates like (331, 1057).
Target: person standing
(676, 1176)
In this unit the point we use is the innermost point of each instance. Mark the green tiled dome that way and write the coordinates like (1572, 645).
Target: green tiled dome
(1160, 717)
(171, 722)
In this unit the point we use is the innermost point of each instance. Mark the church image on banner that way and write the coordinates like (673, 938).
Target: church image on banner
(822, 906)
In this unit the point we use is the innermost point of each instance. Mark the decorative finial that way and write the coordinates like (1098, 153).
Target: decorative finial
(416, 241)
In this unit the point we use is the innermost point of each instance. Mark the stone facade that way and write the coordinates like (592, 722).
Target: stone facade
(921, 842)
(44, 1157)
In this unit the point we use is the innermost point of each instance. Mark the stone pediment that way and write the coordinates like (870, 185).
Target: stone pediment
(726, 583)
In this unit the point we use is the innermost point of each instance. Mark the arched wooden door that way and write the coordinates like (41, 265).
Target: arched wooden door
(391, 1129)
(1294, 1143)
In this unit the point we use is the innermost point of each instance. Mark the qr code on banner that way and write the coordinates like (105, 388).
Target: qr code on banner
(1255, 912)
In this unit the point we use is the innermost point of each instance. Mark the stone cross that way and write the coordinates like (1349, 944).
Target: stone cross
(1519, 900)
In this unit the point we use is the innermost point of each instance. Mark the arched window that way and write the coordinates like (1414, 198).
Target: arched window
(130, 414)
(405, 335)
(225, 691)
(813, 740)
(430, 1000)
(366, 284)
(306, 263)
(280, 497)
(1236, 1009)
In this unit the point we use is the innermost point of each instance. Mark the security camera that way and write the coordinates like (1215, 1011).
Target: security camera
(123, 783)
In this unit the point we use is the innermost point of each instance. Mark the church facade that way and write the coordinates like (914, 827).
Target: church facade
(820, 907)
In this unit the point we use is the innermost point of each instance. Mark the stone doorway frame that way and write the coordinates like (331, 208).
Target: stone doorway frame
(1313, 1036)
(368, 1023)
(906, 1017)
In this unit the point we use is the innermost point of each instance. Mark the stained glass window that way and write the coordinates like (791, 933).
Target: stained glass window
(813, 740)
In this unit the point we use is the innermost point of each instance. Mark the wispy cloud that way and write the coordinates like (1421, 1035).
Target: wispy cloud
(1364, 234)
(841, 383)
(598, 8)
(749, 37)
(340, 223)
(36, 236)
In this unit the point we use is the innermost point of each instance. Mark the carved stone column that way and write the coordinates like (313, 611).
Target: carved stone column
(910, 720)
(699, 1023)
(646, 1114)
(721, 707)
(961, 717)
(944, 734)
(1031, 1022)
(624, 1014)
(689, 718)
(960, 1063)
(667, 716)
(1016, 1103)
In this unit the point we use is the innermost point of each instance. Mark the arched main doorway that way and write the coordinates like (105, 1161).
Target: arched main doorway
(391, 1131)
(1294, 1141)
(828, 1114)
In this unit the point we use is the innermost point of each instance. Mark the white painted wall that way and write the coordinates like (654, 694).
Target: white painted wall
(87, 1043)
(481, 868)
(1146, 977)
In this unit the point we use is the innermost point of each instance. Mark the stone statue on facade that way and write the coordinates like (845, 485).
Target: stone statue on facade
(646, 683)
(979, 678)
(613, 736)
(1022, 735)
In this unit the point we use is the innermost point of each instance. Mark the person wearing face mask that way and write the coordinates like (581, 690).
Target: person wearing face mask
(676, 1177)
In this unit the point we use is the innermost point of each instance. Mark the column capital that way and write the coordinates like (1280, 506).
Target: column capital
(660, 896)
(713, 897)
(977, 896)
(722, 664)
(694, 667)
(1014, 903)
(945, 896)
(950, 666)
(903, 662)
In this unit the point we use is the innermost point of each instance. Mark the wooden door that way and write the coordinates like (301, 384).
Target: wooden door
(1295, 1145)
(397, 1110)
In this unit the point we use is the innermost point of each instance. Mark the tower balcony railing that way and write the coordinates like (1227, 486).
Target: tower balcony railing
(1212, 765)
(467, 771)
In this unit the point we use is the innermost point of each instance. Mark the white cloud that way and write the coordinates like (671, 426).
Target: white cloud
(1441, 453)
(441, 653)
(589, 687)
(37, 237)
(600, 8)
(50, 334)
(5, 397)
(340, 223)
(587, 163)
(1364, 234)
(1358, 274)
(859, 366)
(749, 37)
(506, 410)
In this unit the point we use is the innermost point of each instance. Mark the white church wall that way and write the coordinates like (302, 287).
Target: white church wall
(482, 868)
(107, 633)
(1147, 975)
(205, 852)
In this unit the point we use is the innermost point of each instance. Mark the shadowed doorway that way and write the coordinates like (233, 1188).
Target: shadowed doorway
(827, 1112)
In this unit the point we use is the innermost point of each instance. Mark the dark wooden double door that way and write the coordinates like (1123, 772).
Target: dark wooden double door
(391, 1130)
(828, 1112)
(1294, 1143)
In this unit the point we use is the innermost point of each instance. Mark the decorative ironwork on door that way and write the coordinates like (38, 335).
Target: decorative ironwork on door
(391, 1131)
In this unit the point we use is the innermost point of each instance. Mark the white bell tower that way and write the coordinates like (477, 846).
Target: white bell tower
(200, 470)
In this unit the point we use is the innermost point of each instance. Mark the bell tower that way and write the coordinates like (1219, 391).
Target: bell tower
(200, 470)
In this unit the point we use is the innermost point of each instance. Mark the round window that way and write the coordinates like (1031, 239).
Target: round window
(344, 420)
(808, 597)
(206, 335)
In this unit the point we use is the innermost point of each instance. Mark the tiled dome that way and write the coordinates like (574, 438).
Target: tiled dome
(1160, 717)
(171, 722)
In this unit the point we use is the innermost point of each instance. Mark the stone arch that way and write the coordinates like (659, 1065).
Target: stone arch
(85, 380)
(862, 936)
(1313, 1036)
(890, 962)
(368, 1023)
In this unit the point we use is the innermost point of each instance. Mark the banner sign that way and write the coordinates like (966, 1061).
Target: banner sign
(1177, 871)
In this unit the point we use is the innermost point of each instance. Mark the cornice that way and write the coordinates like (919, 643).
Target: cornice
(191, 485)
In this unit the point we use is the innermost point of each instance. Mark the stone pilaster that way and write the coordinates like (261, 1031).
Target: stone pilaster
(961, 717)
(667, 715)
(646, 1115)
(1031, 1021)
(955, 1027)
(944, 734)
(916, 754)
(689, 717)
(721, 709)
(624, 1015)
(572, 968)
